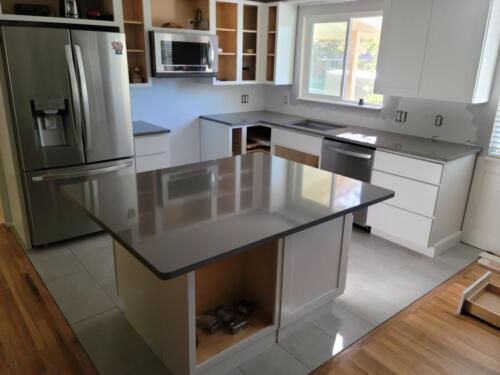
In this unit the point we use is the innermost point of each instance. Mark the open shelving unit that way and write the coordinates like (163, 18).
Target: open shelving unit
(180, 14)
(250, 28)
(226, 29)
(252, 276)
(258, 139)
(271, 42)
(105, 7)
(133, 25)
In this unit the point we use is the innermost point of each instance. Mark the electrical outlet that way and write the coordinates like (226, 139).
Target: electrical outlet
(285, 100)
(439, 121)
(401, 116)
(245, 98)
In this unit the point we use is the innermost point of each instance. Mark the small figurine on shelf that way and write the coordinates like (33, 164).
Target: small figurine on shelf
(199, 23)
(136, 76)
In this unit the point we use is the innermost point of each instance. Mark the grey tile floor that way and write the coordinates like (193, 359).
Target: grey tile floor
(382, 279)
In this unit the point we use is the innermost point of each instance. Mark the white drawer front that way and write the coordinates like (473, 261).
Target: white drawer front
(405, 166)
(411, 195)
(152, 162)
(296, 141)
(151, 144)
(400, 223)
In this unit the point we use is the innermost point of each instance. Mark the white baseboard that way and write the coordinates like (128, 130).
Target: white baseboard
(447, 243)
(432, 251)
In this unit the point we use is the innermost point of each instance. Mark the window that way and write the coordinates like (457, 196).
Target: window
(339, 59)
(495, 136)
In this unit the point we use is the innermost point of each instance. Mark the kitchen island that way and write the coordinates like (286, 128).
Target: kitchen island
(254, 228)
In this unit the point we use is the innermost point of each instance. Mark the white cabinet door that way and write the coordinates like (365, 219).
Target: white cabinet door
(409, 167)
(311, 269)
(285, 43)
(455, 49)
(295, 141)
(152, 152)
(401, 226)
(411, 195)
(402, 47)
(216, 140)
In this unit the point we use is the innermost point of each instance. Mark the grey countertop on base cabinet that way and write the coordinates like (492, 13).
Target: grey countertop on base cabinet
(142, 128)
(437, 150)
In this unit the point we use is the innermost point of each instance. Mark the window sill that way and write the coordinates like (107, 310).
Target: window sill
(343, 104)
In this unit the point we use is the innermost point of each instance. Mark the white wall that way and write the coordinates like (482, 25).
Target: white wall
(176, 103)
(462, 122)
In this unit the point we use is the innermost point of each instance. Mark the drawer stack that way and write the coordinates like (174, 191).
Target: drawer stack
(152, 152)
(416, 216)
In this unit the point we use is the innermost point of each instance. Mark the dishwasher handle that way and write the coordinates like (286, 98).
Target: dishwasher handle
(358, 155)
(92, 172)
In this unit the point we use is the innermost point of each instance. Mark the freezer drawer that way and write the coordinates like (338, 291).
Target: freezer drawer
(51, 216)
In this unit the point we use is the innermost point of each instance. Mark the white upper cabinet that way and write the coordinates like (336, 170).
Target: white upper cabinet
(461, 51)
(280, 22)
(402, 47)
(439, 49)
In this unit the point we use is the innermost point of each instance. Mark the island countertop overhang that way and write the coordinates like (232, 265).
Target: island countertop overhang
(178, 219)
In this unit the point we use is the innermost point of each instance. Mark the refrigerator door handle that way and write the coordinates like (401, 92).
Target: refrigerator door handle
(85, 96)
(92, 172)
(75, 93)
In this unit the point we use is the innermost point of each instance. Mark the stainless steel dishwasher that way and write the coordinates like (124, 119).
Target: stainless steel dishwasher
(351, 161)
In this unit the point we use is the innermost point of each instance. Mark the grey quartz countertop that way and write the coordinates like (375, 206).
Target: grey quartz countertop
(426, 148)
(146, 128)
(178, 219)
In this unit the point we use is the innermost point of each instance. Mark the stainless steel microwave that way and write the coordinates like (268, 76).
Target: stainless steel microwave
(183, 54)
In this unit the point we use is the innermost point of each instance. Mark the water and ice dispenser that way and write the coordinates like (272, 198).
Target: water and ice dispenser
(50, 114)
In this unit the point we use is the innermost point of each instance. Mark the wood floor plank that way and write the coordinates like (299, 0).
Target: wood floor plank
(427, 338)
(35, 338)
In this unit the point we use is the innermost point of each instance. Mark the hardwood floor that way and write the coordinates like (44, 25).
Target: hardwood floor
(34, 336)
(426, 338)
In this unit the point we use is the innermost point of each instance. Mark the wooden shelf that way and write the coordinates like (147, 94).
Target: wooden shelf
(249, 54)
(103, 6)
(133, 22)
(225, 30)
(227, 53)
(250, 275)
(179, 13)
(250, 31)
(271, 43)
(210, 345)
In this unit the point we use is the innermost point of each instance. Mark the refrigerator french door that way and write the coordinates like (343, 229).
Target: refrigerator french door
(70, 106)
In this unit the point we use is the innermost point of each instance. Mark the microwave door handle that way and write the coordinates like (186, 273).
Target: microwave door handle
(211, 55)
(358, 155)
(75, 94)
(85, 96)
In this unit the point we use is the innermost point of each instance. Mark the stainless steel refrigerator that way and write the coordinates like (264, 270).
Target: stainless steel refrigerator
(70, 106)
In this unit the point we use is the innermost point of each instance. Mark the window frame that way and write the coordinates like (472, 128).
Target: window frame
(493, 146)
(306, 57)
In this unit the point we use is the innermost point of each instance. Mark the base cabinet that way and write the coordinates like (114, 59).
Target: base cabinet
(152, 152)
(427, 211)
(284, 278)
(314, 277)
(295, 146)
